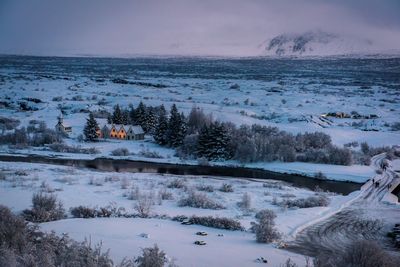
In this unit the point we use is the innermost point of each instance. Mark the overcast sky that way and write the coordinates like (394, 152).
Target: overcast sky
(198, 27)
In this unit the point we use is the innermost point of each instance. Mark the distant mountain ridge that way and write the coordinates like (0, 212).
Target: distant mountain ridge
(315, 43)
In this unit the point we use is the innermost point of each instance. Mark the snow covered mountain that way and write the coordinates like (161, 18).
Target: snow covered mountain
(315, 43)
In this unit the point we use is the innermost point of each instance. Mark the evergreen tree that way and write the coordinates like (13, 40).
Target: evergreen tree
(132, 115)
(151, 121)
(140, 115)
(160, 135)
(213, 142)
(91, 128)
(176, 128)
(125, 117)
(117, 115)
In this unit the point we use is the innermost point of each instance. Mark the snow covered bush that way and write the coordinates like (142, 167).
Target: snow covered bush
(144, 205)
(45, 208)
(109, 211)
(319, 200)
(120, 152)
(264, 228)
(205, 188)
(23, 245)
(165, 195)
(59, 147)
(199, 200)
(177, 183)
(245, 203)
(152, 257)
(214, 222)
(227, 188)
(125, 183)
(83, 212)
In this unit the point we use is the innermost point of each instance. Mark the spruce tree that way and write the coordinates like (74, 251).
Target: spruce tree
(160, 135)
(151, 121)
(117, 115)
(132, 115)
(213, 142)
(91, 128)
(125, 117)
(140, 115)
(176, 128)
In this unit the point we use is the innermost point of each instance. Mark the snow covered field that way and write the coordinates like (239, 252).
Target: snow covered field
(290, 100)
(76, 187)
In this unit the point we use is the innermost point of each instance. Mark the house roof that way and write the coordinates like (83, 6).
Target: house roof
(137, 129)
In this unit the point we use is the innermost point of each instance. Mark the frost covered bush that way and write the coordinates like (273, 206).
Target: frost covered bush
(22, 244)
(205, 188)
(83, 212)
(214, 222)
(120, 152)
(227, 188)
(312, 201)
(45, 208)
(360, 253)
(152, 257)
(245, 203)
(177, 183)
(87, 212)
(264, 228)
(73, 149)
(144, 205)
(199, 200)
(165, 195)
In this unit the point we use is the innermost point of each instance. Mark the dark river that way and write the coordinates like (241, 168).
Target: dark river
(121, 165)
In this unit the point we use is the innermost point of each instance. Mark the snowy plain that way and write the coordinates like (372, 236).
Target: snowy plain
(74, 187)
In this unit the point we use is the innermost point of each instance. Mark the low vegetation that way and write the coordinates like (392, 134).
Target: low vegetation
(214, 222)
(309, 202)
(21, 244)
(45, 208)
(199, 200)
(264, 228)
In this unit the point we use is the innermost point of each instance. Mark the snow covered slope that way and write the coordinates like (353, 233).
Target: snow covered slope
(316, 43)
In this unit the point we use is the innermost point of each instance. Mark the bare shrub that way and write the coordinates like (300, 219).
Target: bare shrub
(45, 208)
(245, 203)
(120, 152)
(264, 228)
(96, 181)
(165, 195)
(108, 211)
(312, 201)
(144, 205)
(199, 200)
(59, 147)
(150, 154)
(151, 257)
(214, 222)
(205, 188)
(177, 183)
(83, 212)
(125, 183)
(227, 188)
(134, 194)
